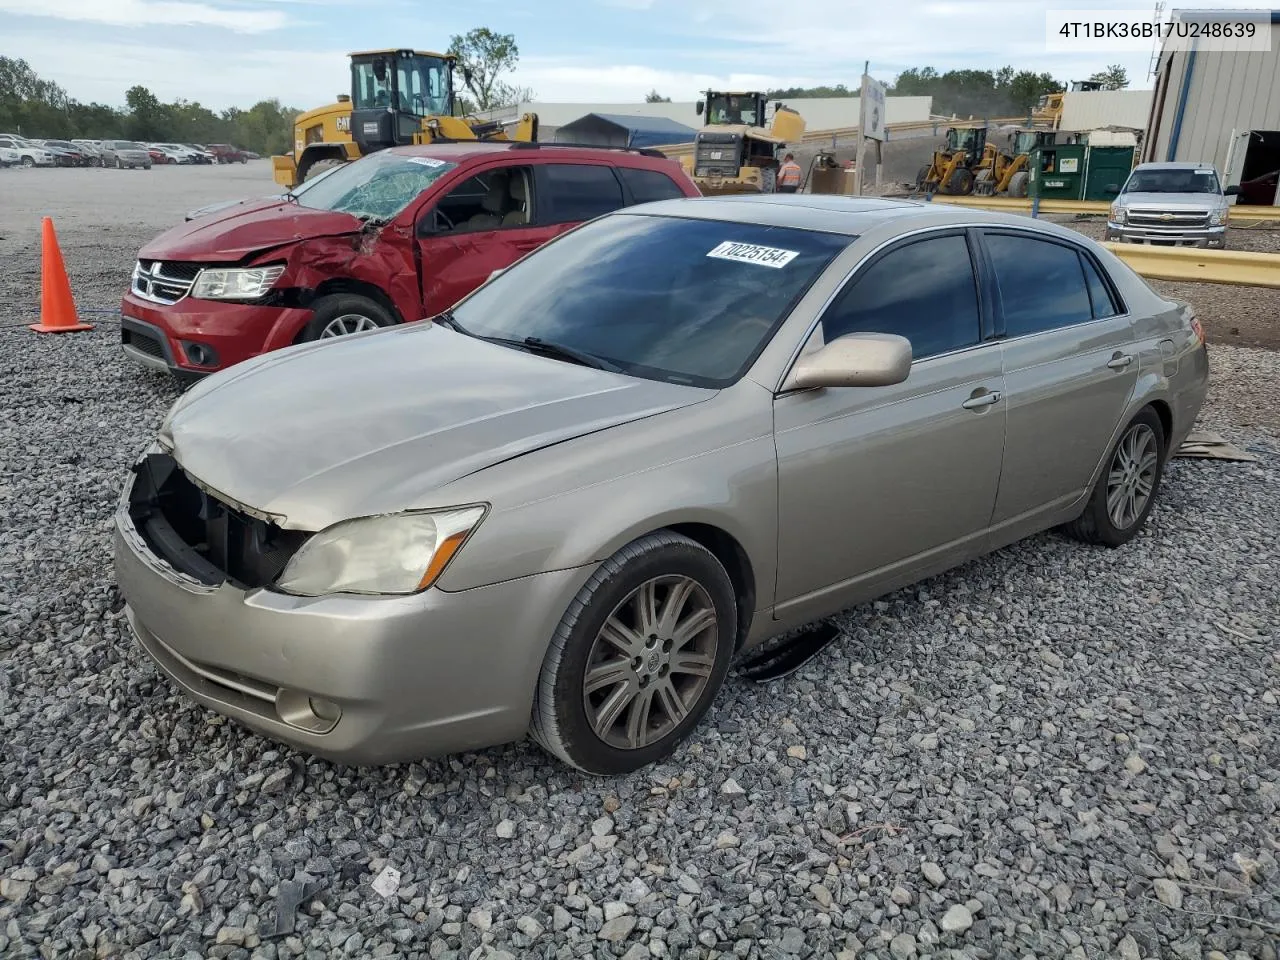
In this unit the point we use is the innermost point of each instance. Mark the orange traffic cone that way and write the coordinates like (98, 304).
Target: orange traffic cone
(57, 306)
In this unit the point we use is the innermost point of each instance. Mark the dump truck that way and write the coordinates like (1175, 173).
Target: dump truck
(735, 152)
(397, 97)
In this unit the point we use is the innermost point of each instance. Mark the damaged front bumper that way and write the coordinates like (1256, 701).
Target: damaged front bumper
(356, 679)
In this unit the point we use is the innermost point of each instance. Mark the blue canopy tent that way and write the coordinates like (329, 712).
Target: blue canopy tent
(620, 130)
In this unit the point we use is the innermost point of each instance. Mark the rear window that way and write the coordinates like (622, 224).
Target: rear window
(578, 191)
(647, 186)
(668, 298)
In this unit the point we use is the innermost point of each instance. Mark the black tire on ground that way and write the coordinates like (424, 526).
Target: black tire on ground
(320, 166)
(560, 723)
(1018, 184)
(28, 162)
(331, 308)
(961, 182)
(922, 176)
(1096, 525)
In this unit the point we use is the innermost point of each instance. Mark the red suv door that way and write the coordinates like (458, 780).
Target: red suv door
(484, 224)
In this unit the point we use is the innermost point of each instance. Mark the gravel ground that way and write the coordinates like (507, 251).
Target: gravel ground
(1052, 752)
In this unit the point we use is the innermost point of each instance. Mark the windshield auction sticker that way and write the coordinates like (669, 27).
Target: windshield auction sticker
(751, 253)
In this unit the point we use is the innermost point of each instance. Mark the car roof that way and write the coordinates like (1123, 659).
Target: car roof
(829, 213)
(460, 151)
(1172, 165)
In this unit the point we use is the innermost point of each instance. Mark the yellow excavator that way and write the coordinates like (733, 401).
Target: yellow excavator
(735, 152)
(398, 97)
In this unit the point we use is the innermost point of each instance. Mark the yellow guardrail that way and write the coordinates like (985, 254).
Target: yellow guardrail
(1190, 265)
(1096, 207)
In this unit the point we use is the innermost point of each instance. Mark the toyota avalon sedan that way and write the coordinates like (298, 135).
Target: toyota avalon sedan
(564, 506)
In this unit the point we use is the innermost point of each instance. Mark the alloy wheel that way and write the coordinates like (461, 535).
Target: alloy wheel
(651, 662)
(346, 324)
(1132, 475)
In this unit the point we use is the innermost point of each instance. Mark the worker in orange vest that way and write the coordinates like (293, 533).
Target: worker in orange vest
(789, 175)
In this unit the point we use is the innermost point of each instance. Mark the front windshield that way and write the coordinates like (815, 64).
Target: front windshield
(421, 85)
(375, 187)
(730, 108)
(1199, 180)
(667, 298)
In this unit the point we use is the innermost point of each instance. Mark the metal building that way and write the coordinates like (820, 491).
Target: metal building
(1218, 107)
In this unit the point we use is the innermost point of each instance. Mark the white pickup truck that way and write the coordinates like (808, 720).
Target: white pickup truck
(1171, 204)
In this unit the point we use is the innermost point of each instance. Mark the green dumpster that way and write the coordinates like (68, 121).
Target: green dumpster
(1106, 167)
(1057, 171)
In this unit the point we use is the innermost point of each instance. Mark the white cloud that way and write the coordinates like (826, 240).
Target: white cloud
(148, 13)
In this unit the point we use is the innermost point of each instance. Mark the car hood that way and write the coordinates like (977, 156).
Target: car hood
(1173, 201)
(233, 233)
(378, 422)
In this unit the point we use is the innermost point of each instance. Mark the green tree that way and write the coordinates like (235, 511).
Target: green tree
(1115, 77)
(653, 96)
(484, 56)
(977, 92)
(146, 115)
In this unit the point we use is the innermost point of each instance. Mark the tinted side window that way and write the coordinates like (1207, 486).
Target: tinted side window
(924, 291)
(1041, 284)
(1104, 304)
(578, 191)
(647, 186)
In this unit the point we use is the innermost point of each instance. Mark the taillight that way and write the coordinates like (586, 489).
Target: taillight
(1198, 329)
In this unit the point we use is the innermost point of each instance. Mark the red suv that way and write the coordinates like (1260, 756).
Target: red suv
(226, 153)
(399, 235)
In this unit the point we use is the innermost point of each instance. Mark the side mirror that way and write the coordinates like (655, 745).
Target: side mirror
(498, 271)
(854, 360)
(1232, 191)
(701, 107)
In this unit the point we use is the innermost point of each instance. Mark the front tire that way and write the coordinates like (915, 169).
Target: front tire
(1018, 184)
(28, 162)
(1127, 488)
(320, 166)
(342, 314)
(638, 657)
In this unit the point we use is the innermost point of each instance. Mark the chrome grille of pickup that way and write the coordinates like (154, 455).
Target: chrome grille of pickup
(1173, 219)
(164, 281)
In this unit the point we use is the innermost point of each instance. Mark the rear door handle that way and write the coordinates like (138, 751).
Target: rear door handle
(1120, 362)
(982, 400)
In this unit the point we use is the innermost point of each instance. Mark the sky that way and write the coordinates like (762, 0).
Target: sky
(235, 52)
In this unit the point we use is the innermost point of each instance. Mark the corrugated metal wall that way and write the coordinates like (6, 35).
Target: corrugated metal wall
(1091, 109)
(1239, 91)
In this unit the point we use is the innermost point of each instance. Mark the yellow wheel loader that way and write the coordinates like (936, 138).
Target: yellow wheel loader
(735, 152)
(398, 97)
(1006, 172)
(954, 169)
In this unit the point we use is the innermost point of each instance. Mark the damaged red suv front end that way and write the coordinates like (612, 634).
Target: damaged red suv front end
(397, 236)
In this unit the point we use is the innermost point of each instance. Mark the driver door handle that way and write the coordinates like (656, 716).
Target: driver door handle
(982, 400)
(1120, 362)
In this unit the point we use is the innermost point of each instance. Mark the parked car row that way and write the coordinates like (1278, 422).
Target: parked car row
(618, 453)
(22, 151)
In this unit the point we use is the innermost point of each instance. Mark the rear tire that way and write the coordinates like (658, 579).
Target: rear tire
(28, 162)
(346, 312)
(656, 625)
(1018, 184)
(1127, 487)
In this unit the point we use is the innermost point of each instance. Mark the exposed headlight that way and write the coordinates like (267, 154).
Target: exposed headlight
(1218, 217)
(240, 284)
(1119, 214)
(397, 554)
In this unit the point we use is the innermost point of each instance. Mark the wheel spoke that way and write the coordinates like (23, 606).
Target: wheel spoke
(1115, 477)
(647, 618)
(611, 710)
(1114, 499)
(1143, 486)
(638, 718)
(696, 664)
(677, 596)
(1148, 463)
(618, 634)
(692, 626)
(608, 673)
(672, 704)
